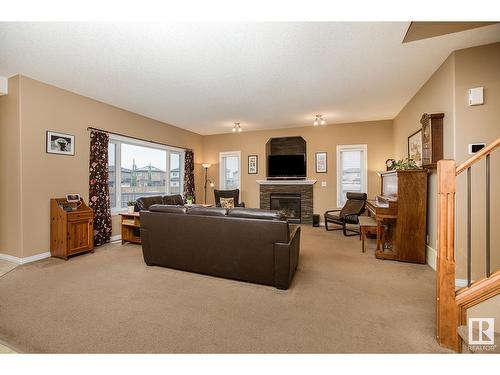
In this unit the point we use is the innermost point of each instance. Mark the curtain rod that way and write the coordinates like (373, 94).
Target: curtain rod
(139, 139)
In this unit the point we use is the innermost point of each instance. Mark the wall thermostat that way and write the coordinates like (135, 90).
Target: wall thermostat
(475, 147)
(476, 96)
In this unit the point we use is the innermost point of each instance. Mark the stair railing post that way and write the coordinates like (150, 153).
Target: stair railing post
(446, 308)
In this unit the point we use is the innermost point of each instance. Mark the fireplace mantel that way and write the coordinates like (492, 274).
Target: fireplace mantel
(286, 182)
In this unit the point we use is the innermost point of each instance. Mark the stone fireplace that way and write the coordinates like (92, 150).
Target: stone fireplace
(288, 203)
(293, 195)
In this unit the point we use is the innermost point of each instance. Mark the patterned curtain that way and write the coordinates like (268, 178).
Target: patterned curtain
(98, 187)
(189, 175)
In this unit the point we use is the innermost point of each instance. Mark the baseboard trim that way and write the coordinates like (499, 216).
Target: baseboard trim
(118, 237)
(33, 258)
(431, 257)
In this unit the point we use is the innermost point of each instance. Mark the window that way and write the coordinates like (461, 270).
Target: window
(230, 167)
(351, 171)
(145, 169)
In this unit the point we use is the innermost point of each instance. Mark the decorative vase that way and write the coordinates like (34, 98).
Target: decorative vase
(131, 209)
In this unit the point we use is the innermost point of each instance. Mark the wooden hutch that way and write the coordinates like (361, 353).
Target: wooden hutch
(401, 214)
(71, 228)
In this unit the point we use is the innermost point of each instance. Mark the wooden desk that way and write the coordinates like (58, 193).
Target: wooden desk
(71, 232)
(131, 227)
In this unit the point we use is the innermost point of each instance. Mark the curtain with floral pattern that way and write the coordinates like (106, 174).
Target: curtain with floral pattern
(189, 175)
(98, 186)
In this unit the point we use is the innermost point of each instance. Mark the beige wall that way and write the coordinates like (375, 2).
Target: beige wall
(10, 165)
(435, 96)
(478, 67)
(44, 176)
(376, 134)
(447, 91)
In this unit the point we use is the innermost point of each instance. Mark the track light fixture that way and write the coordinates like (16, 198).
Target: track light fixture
(319, 120)
(237, 127)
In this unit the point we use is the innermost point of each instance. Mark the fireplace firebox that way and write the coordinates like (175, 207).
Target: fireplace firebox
(290, 204)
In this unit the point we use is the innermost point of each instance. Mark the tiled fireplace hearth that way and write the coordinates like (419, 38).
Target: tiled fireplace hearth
(290, 194)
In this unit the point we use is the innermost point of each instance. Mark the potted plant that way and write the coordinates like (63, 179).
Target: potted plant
(131, 207)
(189, 199)
(405, 164)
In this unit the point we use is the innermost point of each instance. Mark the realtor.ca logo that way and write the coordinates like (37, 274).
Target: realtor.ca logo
(481, 333)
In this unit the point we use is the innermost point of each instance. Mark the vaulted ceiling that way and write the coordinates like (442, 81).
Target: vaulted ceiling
(205, 76)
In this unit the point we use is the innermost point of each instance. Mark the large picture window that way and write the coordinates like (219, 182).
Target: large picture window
(138, 169)
(351, 171)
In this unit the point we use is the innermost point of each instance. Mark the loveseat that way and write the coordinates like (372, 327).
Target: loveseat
(250, 245)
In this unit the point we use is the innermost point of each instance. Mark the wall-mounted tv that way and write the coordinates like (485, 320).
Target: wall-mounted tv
(286, 166)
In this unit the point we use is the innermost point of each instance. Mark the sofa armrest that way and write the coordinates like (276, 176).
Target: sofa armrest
(241, 204)
(286, 259)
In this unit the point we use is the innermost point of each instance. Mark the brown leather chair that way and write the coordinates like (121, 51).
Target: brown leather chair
(250, 245)
(354, 207)
(235, 194)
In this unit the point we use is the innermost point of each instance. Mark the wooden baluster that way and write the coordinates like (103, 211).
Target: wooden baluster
(446, 308)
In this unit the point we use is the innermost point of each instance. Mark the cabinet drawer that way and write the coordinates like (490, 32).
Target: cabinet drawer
(80, 216)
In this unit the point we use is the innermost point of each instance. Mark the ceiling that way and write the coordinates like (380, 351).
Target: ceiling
(205, 76)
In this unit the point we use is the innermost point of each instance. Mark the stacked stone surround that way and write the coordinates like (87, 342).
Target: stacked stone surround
(306, 197)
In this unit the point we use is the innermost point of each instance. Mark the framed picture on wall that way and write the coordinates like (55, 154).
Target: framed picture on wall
(253, 164)
(415, 147)
(59, 143)
(321, 164)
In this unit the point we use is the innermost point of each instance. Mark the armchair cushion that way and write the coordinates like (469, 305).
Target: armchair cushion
(235, 194)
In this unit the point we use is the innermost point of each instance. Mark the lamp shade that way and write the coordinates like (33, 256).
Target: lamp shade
(206, 165)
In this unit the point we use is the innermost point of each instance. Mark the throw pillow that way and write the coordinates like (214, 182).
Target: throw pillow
(227, 202)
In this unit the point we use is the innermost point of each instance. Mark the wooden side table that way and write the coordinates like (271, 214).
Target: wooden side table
(131, 227)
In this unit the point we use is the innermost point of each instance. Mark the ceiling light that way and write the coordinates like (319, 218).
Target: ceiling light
(237, 127)
(319, 120)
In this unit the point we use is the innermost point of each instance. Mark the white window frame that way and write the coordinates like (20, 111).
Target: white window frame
(364, 168)
(118, 140)
(222, 180)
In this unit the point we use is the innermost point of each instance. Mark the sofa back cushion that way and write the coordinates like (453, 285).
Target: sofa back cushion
(168, 208)
(207, 211)
(143, 203)
(175, 199)
(255, 213)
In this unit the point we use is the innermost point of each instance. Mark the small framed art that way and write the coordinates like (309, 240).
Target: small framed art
(253, 164)
(59, 143)
(321, 162)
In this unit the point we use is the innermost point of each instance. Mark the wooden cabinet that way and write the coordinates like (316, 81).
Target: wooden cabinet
(71, 232)
(432, 139)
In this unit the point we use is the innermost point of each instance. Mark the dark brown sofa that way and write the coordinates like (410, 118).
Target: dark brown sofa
(143, 203)
(243, 244)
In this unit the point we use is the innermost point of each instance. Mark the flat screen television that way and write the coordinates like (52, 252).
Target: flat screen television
(286, 166)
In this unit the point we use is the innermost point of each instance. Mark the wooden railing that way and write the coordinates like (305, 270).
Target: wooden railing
(451, 306)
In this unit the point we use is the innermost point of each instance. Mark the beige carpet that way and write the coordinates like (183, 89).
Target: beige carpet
(341, 301)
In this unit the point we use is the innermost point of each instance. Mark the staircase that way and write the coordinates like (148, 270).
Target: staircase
(451, 305)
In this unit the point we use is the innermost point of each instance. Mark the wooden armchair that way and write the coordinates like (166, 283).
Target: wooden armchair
(354, 207)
